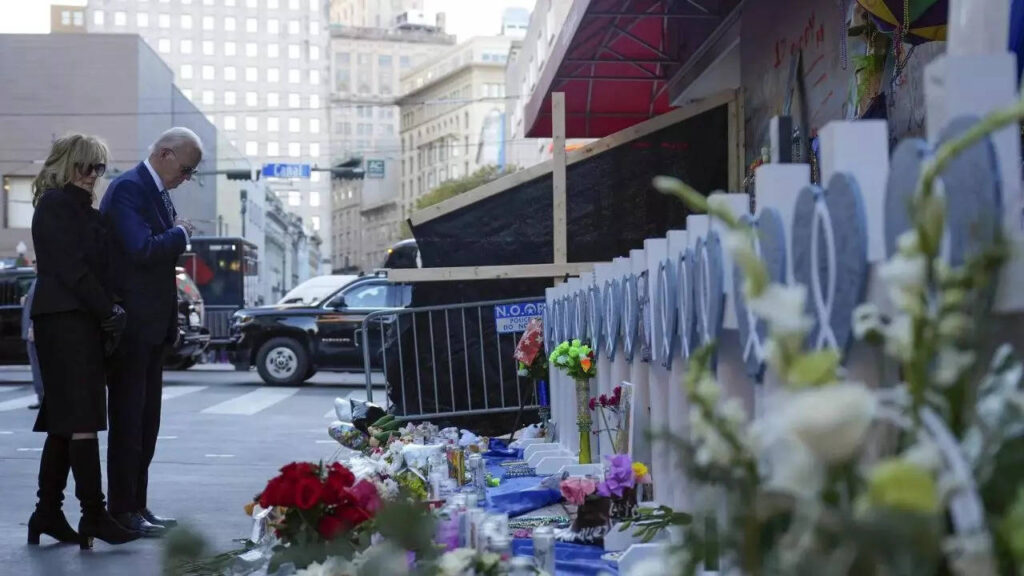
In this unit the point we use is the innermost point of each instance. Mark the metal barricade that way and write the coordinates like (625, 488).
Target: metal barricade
(445, 361)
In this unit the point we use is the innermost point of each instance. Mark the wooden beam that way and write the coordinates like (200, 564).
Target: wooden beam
(558, 192)
(593, 149)
(489, 272)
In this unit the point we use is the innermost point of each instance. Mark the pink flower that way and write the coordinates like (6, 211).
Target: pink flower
(576, 489)
(592, 404)
(604, 400)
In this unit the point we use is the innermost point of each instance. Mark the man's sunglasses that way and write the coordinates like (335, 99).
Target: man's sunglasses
(96, 170)
(187, 171)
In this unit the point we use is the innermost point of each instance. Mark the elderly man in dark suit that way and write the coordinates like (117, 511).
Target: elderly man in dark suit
(28, 335)
(149, 238)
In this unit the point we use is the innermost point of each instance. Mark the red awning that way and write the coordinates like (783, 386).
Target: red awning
(611, 59)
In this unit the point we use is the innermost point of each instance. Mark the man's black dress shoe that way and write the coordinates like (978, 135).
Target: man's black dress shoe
(157, 520)
(136, 523)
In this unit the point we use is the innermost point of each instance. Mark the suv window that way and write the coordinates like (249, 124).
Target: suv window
(370, 295)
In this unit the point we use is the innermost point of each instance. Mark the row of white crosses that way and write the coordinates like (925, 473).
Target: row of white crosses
(682, 291)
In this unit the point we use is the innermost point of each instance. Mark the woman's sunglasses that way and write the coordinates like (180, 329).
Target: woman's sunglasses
(96, 170)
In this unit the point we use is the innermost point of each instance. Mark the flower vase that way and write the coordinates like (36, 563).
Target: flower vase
(624, 507)
(583, 419)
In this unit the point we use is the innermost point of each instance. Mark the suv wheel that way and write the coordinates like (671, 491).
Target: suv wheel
(282, 361)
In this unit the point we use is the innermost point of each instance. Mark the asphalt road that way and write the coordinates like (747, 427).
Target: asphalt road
(223, 435)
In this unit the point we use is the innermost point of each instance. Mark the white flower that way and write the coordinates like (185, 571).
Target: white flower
(738, 245)
(333, 566)
(833, 421)
(652, 566)
(924, 455)
(457, 561)
(866, 320)
(708, 390)
(908, 243)
(954, 325)
(733, 412)
(903, 271)
(794, 469)
(782, 307)
(899, 337)
(951, 365)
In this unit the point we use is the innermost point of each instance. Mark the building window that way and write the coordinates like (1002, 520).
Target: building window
(252, 25)
(293, 27)
(385, 75)
(209, 72)
(120, 18)
(186, 72)
(252, 148)
(314, 149)
(273, 26)
(208, 22)
(252, 74)
(293, 51)
(186, 21)
(252, 3)
(273, 51)
(314, 201)
(229, 123)
(252, 123)
(230, 48)
(97, 18)
(273, 75)
(314, 28)
(294, 125)
(314, 102)
(163, 46)
(273, 124)
(273, 4)
(251, 50)
(273, 100)
(314, 77)
(273, 150)
(141, 19)
(293, 76)
(314, 125)
(230, 73)
(207, 47)
(293, 4)
(185, 46)
(314, 53)
(294, 198)
(229, 23)
(208, 97)
(294, 150)
(293, 101)
(230, 98)
(252, 99)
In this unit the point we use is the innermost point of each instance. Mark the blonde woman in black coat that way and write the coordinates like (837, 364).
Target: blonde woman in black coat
(75, 321)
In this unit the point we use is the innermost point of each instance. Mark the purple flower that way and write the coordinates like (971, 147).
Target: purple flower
(618, 478)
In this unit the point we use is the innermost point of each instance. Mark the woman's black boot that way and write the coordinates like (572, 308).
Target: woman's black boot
(96, 520)
(53, 478)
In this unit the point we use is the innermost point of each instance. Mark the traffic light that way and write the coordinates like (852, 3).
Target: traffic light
(348, 169)
(240, 174)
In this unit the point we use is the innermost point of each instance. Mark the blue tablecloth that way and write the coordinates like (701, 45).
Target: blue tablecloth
(516, 496)
(570, 559)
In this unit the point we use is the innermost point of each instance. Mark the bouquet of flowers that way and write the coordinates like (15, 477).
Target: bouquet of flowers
(920, 475)
(533, 363)
(321, 509)
(610, 408)
(577, 360)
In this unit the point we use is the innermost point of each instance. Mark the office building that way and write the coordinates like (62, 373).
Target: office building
(381, 14)
(367, 64)
(257, 69)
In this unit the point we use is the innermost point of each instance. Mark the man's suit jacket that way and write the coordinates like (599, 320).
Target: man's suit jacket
(147, 246)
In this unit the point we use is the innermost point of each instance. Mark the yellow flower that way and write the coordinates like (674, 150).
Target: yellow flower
(639, 470)
(900, 485)
(249, 507)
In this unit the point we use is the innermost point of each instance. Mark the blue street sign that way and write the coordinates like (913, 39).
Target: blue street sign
(375, 169)
(509, 318)
(287, 171)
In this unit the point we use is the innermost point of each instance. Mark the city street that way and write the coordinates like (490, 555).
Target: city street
(223, 435)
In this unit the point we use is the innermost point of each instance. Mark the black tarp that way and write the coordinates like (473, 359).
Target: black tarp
(611, 209)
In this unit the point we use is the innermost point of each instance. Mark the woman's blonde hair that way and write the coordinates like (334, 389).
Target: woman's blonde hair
(69, 153)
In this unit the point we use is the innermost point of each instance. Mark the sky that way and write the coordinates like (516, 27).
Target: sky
(466, 18)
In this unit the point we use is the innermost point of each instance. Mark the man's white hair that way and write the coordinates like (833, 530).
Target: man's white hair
(176, 138)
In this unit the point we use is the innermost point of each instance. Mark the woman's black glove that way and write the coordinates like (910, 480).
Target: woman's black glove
(113, 326)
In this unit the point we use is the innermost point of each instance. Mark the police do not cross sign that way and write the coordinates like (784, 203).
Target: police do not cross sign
(511, 318)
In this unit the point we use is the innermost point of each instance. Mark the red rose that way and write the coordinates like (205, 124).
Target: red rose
(341, 474)
(352, 516)
(298, 469)
(593, 404)
(330, 526)
(308, 491)
(366, 496)
(335, 493)
(280, 491)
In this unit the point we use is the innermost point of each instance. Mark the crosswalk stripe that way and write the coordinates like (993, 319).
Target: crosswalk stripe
(175, 391)
(12, 388)
(253, 402)
(16, 403)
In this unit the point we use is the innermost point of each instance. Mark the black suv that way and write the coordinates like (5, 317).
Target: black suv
(288, 345)
(192, 339)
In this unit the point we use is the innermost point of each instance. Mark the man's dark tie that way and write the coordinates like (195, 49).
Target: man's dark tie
(167, 204)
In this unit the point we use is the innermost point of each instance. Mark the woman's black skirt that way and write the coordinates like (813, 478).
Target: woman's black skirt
(72, 364)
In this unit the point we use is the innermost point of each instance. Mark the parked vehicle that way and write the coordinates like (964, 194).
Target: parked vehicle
(288, 345)
(193, 337)
(404, 254)
(315, 289)
(225, 270)
(188, 347)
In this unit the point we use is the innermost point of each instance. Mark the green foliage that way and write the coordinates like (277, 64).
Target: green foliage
(814, 369)
(575, 359)
(453, 188)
